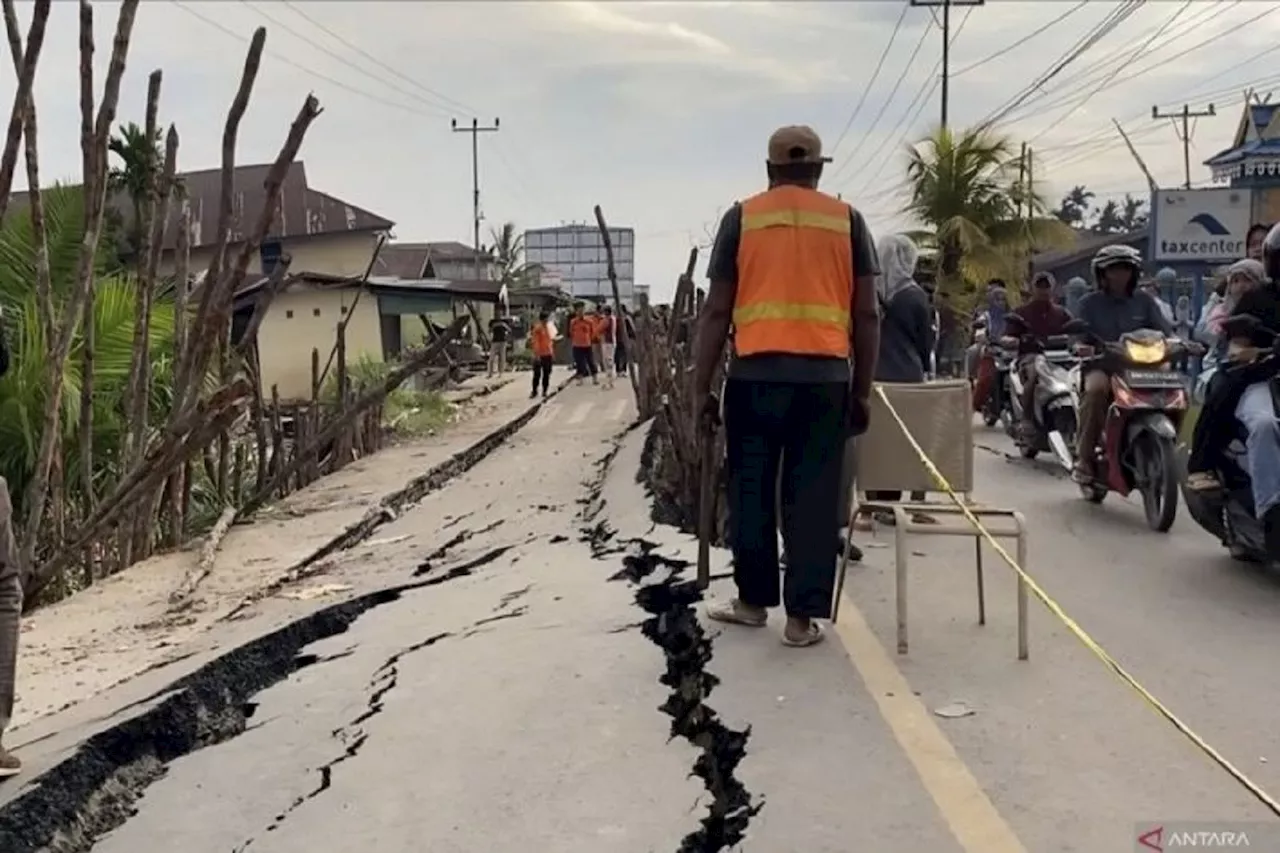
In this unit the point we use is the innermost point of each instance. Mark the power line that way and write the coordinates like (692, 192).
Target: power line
(445, 99)
(1020, 42)
(1077, 82)
(907, 121)
(1100, 31)
(304, 69)
(342, 59)
(866, 90)
(1197, 46)
(946, 44)
(1111, 76)
(862, 140)
(1185, 136)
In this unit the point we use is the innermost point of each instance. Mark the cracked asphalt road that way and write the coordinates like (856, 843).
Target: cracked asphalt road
(511, 699)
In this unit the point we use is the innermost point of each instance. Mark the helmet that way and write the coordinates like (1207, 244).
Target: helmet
(1271, 253)
(1110, 256)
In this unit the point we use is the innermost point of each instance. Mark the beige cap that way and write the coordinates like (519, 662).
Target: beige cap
(795, 144)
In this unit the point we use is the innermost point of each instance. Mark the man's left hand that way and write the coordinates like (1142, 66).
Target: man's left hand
(858, 415)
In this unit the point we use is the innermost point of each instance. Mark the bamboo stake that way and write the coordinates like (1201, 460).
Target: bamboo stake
(38, 487)
(21, 97)
(344, 420)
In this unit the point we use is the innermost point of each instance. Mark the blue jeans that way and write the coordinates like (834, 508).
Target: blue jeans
(1258, 415)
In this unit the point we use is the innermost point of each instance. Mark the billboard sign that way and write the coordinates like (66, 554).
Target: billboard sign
(1200, 225)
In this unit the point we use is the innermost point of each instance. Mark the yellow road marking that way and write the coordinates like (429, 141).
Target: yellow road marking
(963, 804)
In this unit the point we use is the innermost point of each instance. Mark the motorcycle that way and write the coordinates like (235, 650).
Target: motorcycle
(997, 408)
(1148, 403)
(1228, 512)
(1055, 402)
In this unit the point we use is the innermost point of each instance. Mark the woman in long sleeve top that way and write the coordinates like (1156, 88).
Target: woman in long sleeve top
(906, 317)
(906, 322)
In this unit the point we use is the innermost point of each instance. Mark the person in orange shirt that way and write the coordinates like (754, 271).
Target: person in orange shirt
(581, 332)
(541, 344)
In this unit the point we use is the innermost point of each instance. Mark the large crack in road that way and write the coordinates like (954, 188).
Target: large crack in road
(95, 790)
(673, 626)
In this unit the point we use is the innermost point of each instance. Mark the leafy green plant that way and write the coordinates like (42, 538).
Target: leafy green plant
(23, 390)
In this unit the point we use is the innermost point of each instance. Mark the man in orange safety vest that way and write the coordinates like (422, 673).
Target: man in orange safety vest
(793, 270)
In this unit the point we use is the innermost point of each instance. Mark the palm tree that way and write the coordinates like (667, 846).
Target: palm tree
(965, 191)
(23, 388)
(508, 256)
(140, 160)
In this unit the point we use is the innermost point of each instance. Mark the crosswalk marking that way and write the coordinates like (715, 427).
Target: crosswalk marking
(560, 413)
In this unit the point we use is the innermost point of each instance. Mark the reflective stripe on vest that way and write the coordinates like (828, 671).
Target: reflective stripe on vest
(795, 275)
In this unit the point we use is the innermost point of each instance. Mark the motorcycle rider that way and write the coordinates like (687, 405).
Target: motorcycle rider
(1114, 309)
(1222, 389)
(1042, 318)
(1256, 410)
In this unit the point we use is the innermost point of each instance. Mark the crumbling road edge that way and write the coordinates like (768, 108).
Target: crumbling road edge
(673, 626)
(392, 505)
(70, 806)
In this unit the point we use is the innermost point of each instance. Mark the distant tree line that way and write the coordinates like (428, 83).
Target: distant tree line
(1113, 217)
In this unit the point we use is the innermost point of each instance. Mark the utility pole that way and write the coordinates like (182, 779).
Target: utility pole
(946, 42)
(475, 130)
(1186, 115)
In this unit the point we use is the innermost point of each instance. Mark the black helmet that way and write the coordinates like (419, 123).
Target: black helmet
(1271, 253)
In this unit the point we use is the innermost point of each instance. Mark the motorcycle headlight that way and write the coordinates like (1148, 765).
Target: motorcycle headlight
(1140, 353)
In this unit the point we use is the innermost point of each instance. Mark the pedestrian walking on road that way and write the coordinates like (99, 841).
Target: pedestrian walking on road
(608, 342)
(581, 331)
(10, 605)
(499, 332)
(542, 346)
(793, 270)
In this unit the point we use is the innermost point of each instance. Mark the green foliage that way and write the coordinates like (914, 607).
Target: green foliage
(24, 389)
(967, 192)
(411, 412)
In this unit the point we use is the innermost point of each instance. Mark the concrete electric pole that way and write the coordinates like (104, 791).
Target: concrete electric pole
(1186, 115)
(946, 42)
(475, 130)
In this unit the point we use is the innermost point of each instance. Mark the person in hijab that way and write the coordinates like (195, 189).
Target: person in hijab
(907, 331)
(1075, 290)
(1216, 419)
(982, 367)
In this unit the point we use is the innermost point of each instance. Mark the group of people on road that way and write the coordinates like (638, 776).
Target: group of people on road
(816, 312)
(600, 342)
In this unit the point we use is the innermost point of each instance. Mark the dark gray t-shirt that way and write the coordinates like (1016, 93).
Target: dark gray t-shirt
(779, 367)
(1109, 317)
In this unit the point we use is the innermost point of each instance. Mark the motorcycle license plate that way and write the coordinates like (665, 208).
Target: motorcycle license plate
(1153, 379)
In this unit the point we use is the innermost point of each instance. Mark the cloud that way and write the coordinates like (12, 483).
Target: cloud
(657, 111)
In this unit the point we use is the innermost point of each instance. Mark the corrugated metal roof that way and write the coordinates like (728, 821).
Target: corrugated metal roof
(304, 212)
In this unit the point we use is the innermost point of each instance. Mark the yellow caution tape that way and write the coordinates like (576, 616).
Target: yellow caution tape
(1080, 634)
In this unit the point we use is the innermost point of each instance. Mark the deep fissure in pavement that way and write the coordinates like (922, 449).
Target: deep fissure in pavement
(673, 626)
(96, 789)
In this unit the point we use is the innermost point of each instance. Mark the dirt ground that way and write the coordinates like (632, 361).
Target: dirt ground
(124, 625)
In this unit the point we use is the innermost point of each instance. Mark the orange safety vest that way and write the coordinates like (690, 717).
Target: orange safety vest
(581, 330)
(795, 275)
(540, 336)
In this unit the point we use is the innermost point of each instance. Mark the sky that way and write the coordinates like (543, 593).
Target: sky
(660, 111)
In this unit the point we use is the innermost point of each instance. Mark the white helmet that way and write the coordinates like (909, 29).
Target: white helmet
(1110, 256)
